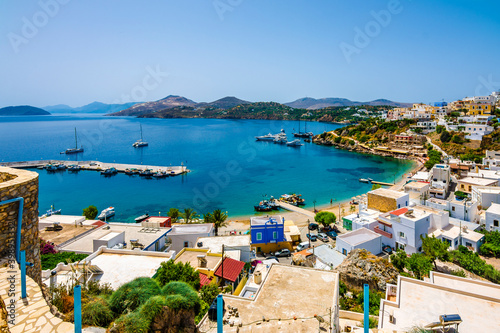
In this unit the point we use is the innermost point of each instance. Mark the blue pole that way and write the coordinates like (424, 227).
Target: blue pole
(77, 294)
(19, 224)
(23, 274)
(220, 313)
(366, 320)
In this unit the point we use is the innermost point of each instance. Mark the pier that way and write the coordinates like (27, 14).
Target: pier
(97, 166)
(296, 209)
(381, 183)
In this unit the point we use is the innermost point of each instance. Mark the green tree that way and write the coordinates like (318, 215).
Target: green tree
(376, 186)
(189, 215)
(173, 213)
(219, 220)
(445, 136)
(90, 212)
(398, 259)
(440, 128)
(434, 248)
(325, 218)
(209, 292)
(419, 264)
(184, 272)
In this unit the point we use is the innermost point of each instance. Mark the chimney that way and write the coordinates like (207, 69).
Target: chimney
(257, 277)
(202, 261)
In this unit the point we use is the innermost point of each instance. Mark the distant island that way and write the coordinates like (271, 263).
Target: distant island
(95, 107)
(23, 110)
(326, 109)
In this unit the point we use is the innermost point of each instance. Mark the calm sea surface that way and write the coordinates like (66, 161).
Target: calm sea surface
(230, 169)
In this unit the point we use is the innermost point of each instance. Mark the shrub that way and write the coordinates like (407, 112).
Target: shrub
(132, 294)
(90, 212)
(96, 312)
(133, 322)
(47, 247)
(209, 292)
(180, 295)
(153, 307)
(50, 261)
(372, 322)
(325, 218)
(184, 272)
(445, 136)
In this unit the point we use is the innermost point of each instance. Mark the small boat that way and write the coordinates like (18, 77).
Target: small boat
(160, 174)
(369, 179)
(271, 137)
(294, 143)
(141, 218)
(74, 168)
(51, 167)
(132, 171)
(140, 142)
(75, 150)
(281, 140)
(303, 134)
(109, 172)
(107, 213)
(363, 180)
(61, 166)
(262, 208)
(146, 173)
(52, 211)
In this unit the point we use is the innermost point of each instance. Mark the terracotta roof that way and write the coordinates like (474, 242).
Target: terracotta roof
(98, 224)
(204, 280)
(232, 268)
(399, 211)
(304, 252)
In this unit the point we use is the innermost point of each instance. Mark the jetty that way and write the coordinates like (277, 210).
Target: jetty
(98, 166)
(296, 209)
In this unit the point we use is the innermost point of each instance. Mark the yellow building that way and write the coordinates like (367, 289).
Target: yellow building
(478, 109)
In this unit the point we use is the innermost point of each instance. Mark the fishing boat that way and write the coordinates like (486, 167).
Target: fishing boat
(160, 174)
(294, 143)
(74, 167)
(75, 150)
(140, 143)
(50, 167)
(52, 211)
(61, 166)
(109, 172)
(141, 218)
(146, 173)
(293, 199)
(261, 207)
(107, 213)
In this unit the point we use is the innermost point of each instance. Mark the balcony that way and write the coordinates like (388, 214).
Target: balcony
(382, 232)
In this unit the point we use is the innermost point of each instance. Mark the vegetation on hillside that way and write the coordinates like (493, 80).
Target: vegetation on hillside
(491, 246)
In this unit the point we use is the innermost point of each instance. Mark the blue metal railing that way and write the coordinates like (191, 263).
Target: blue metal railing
(19, 223)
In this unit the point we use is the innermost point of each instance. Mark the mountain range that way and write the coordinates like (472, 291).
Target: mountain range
(172, 101)
(95, 107)
(23, 110)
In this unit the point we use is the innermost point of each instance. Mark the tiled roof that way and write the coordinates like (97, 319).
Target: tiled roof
(204, 280)
(232, 268)
(400, 211)
(98, 224)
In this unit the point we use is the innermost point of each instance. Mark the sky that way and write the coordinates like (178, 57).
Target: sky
(75, 52)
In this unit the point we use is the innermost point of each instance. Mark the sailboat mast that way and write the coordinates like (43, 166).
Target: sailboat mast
(141, 132)
(76, 140)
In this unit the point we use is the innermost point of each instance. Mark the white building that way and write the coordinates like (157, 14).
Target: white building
(492, 218)
(403, 227)
(235, 246)
(492, 160)
(466, 184)
(418, 190)
(186, 235)
(476, 131)
(359, 239)
(440, 181)
(486, 174)
(486, 195)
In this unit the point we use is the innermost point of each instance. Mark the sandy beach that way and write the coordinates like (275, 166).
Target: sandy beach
(342, 208)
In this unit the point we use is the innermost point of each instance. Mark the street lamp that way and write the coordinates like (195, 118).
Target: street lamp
(314, 202)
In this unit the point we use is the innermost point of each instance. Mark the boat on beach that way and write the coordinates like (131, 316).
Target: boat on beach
(107, 213)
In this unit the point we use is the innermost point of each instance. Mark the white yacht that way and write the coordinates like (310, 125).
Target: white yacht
(270, 137)
(295, 143)
(106, 213)
(140, 142)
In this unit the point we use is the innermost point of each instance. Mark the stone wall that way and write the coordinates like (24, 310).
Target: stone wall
(4, 327)
(20, 183)
(381, 203)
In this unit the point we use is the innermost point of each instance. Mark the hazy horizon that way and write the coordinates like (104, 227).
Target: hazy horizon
(75, 53)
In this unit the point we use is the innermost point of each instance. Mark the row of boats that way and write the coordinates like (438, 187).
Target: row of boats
(61, 167)
(273, 204)
(281, 138)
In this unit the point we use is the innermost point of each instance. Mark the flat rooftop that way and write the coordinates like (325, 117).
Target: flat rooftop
(262, 220)
(388, 193)
(215, 243)
(327, 255)
(359, 236)
(182, 229)
(488, 189)
(122, 266)
(418, 185)
(478, 181)
(420, 303)
(494, 209)
(132, 231)
(285, 294)
(68, 232)
(191, 256)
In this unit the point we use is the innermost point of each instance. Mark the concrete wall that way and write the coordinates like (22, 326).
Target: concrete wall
(109, 243)
(20, 183)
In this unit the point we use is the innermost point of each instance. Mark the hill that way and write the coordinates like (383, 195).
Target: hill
(225, 103)
(95, 107)
(23, 110)
(168, 102)
(314, 104)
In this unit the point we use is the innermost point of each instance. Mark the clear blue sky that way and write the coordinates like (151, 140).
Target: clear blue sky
(258, 50)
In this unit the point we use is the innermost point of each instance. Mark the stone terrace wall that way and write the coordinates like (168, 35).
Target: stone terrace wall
(20, 183)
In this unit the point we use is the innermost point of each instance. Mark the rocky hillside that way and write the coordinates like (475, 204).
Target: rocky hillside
(314, 104)
(362, 267)
(168, 102)
(23, 110)
(224, 103)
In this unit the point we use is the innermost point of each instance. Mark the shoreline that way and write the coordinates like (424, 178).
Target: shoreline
(240, 223)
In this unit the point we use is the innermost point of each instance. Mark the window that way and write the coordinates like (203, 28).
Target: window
(456, 242)
(259, 236)
(495, 223)
(344, 252)
(453, 208)
(468, 244)
(186, 244)
(275, 235)
(402, 234)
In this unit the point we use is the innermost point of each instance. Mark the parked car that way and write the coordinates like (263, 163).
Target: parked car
(273, 257)
(302, 246)
(313, 226)
(387, 249)
(332, 234)
(323, 237)
(312, 237)
(283, 253)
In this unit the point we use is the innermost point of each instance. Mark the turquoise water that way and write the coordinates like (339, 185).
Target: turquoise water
(230, 170)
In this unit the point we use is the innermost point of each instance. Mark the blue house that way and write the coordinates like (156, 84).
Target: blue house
(268, 233)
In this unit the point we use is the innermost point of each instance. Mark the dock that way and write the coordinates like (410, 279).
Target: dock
(296, 209)
(382, 183)
(97, 166)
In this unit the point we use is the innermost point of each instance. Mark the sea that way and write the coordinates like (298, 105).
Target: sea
(229, 169)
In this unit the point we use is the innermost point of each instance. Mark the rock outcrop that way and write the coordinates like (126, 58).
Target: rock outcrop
(362, 267)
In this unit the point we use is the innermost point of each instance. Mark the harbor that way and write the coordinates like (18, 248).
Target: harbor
(98, 166)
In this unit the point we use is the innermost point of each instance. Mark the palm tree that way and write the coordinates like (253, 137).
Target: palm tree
(173, 213)
(189, 215)
(219, 220)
